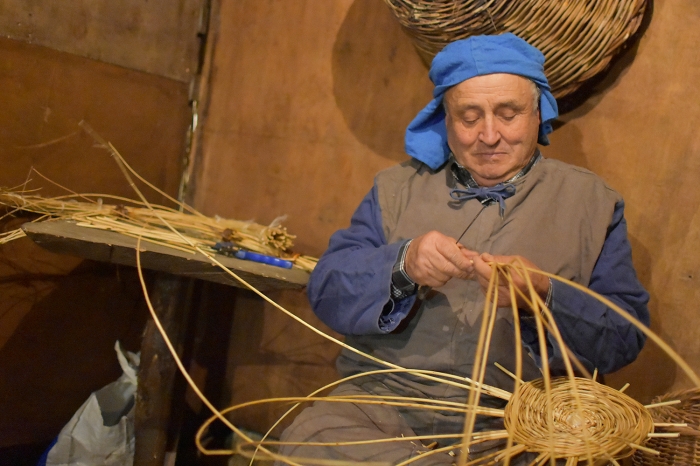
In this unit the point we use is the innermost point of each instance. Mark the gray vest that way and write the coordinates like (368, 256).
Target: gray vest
(558, 219)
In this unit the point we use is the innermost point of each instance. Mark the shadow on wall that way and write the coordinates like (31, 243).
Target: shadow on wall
(585, 98)
(573, 153)
(63, 348)
(379, 81)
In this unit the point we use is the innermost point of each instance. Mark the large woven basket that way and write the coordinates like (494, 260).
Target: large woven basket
(578, 37)
(684, 450)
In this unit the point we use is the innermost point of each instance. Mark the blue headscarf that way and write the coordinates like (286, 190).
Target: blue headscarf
(426, 135)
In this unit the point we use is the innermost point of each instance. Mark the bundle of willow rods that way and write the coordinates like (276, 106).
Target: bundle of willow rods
(133, 219)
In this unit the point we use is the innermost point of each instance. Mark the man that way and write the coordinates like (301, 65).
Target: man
(474, 163)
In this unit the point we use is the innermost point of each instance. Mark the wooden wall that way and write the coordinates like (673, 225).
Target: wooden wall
(124, 69)
(308, 100)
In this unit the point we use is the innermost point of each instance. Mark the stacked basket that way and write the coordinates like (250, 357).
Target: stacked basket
(578, 37)
(683, 450)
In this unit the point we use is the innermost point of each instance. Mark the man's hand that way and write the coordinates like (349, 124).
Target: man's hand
(483, 275)
(433, 259)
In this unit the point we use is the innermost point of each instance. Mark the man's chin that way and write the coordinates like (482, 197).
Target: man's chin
(490, 178)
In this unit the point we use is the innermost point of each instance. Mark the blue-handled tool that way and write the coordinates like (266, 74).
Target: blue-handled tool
(229, 249)
(262, 258)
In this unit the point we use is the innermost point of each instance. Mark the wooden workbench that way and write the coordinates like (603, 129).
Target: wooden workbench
(66, 237)
(171, 295)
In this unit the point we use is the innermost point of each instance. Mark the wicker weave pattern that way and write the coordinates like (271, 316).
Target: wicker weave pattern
(578, 37)
(603, 428)
(684, 450)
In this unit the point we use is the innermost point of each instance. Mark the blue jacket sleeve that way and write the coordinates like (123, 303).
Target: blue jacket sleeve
(350, 287)
(597, 335)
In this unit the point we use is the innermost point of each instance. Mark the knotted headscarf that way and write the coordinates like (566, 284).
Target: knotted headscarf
(426, 135)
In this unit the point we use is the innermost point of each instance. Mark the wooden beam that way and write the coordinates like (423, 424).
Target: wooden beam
(171, 296)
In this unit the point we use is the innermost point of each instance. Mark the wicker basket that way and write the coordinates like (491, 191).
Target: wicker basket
(578, 37)
(684, 450)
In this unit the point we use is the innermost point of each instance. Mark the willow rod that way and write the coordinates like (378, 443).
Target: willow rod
(543, 319)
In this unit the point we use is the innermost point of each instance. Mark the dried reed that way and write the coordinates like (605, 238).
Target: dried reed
(157, 224)
(132, 218)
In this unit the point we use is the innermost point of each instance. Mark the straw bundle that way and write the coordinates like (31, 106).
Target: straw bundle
(604, 427)
(578, 37)
(683, 450)
(133, 219)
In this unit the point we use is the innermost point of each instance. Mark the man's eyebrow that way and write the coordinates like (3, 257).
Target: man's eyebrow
(467, 106)
(508, 104)
(511, 104)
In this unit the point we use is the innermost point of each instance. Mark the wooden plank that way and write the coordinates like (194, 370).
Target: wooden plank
(68, 238)
(157, 36)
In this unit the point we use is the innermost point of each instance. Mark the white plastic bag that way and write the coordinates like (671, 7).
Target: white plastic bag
(101, 432)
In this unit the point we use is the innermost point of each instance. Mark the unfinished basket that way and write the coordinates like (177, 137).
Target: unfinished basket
(684, 450)
(578, 37)
(606, 418)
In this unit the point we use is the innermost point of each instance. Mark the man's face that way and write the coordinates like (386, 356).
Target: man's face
(492, 125)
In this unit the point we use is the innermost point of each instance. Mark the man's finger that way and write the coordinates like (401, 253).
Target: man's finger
(482, 268)
(459, 257)
(447, 267)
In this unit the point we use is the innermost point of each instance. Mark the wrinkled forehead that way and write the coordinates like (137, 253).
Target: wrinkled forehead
(495, 88)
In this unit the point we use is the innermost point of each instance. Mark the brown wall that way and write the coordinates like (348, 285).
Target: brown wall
(301, 118)
(308, 100)
(46, 93)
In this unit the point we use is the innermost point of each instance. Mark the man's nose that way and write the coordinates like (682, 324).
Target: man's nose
(489, 134)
